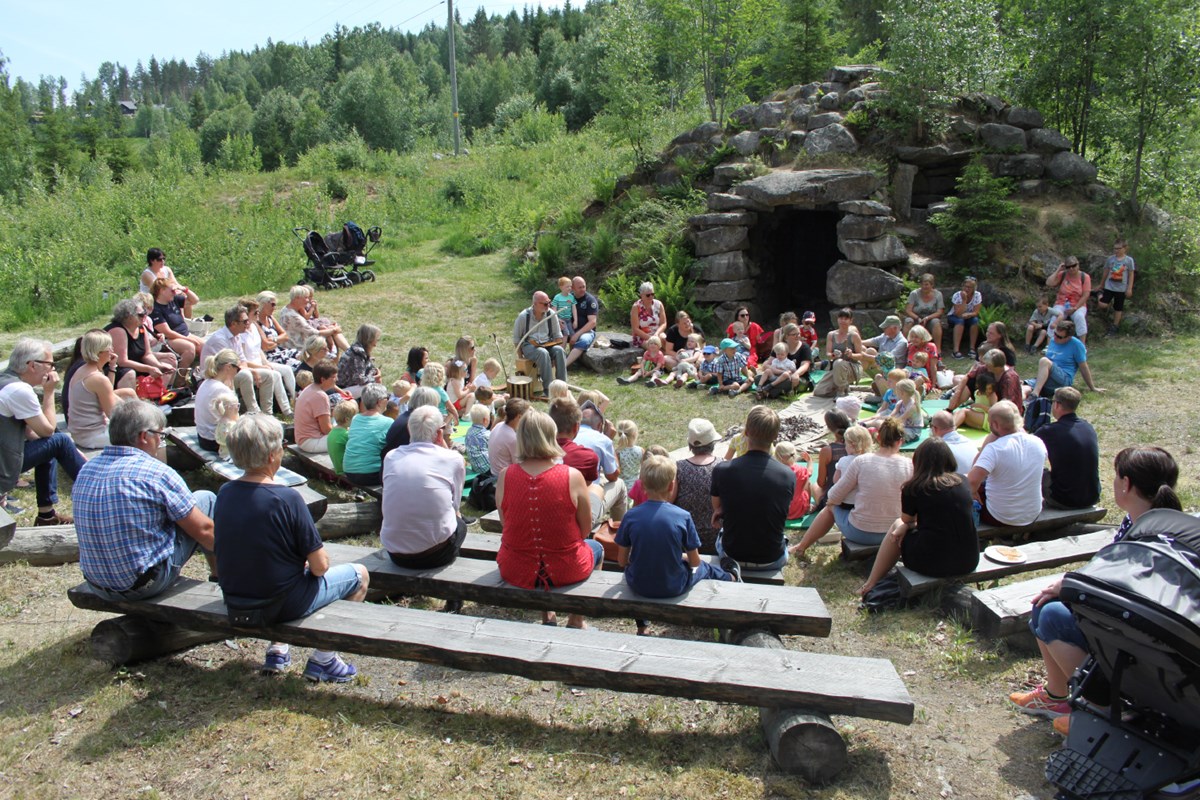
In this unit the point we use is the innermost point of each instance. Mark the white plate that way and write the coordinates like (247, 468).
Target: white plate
(1005, 555)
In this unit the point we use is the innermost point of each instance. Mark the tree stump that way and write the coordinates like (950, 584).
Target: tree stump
(126, 640)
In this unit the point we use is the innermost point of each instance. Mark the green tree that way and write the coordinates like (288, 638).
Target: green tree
(381, 108)
(274, 128)
(16, 141)
(221, 125)
(627, 68)
(981, 215)
(802, 48)
(197, 110)
(237, 153)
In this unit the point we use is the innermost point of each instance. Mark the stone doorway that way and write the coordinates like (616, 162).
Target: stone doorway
(794, 249)
(935, 182)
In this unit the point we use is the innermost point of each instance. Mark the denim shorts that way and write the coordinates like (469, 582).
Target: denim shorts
(968, 321)
(336, 584)
(842, 517)
(585, 340)
(1054, 622)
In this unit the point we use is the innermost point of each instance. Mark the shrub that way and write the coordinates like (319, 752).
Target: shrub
(604, 246)
(552, 254)
(529, 273)
(981, 215)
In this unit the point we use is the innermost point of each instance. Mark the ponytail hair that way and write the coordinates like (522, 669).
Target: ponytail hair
(223, 358)
(1152, 473)
(891, 433)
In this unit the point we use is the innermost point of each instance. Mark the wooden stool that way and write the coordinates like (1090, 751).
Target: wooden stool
(528, 368)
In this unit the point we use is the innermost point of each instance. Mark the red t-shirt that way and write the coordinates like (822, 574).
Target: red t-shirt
(800, 497)
(581, 458)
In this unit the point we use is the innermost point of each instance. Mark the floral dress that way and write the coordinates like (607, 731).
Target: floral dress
(288, 356)
(647, 320)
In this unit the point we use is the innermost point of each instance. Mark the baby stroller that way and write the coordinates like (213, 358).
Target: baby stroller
(334, 261)
(1135, 723)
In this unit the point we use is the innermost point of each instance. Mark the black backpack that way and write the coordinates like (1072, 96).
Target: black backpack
(353, 238)
(483, 492)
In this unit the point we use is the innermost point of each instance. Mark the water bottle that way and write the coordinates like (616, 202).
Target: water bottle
(1067, 309)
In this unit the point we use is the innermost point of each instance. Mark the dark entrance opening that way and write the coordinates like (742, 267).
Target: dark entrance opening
(794, 249)
(933, 183)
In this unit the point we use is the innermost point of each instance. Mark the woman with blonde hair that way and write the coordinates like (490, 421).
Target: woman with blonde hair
(547, 516)
(219, 371)
(92, 395)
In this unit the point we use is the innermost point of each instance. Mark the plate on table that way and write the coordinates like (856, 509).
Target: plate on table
(1003, 554)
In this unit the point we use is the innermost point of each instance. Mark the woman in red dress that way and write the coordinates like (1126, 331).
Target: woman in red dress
(546, 516)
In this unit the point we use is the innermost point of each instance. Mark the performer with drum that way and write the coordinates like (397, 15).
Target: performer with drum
(537, 337)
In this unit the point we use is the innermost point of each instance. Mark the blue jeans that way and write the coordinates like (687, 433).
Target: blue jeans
(168, 570)
(1053, 622)
(545, 358)
(597, 552)
(708, 572)
(585, 340)
(776, 564)
(41, 455)
(842, 517)
(967, 321)
(338, 583)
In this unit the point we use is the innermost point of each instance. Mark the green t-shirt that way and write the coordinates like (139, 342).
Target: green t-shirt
(337, 447)
(564, 306)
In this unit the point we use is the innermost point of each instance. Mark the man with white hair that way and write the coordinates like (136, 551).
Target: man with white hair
(1007, 476)
(28, 435)
(422, 488)
(538, 337)
(137, 521)
(941, 425)
(248, 378)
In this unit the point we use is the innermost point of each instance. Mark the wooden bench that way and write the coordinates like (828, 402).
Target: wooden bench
(863, 687)
(1038, 556)
(1005, 610)
(320, 465)
(1049, 520)
(719, 604)
(8, 527)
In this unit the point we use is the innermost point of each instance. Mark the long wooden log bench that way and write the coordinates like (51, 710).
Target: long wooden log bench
(1038, 556)
(8, 527)
(1049, 521)
(717, 604)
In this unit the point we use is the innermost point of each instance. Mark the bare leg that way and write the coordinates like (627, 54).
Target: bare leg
(820, 526)
(1043, 373)
(885, 559)
(1061, 660)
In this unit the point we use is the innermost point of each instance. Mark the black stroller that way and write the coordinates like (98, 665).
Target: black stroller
(1135, 724)
(337, 260)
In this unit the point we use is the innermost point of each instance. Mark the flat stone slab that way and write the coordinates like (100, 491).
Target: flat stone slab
(809, 188)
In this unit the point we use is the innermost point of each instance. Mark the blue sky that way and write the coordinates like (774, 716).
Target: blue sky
(73, 37)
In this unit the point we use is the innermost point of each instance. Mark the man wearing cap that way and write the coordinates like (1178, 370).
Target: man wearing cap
(884, 352)
(537, 337)
(751, 496)
(1062, 358)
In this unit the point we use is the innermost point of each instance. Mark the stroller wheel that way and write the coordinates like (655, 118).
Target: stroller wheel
(327, 285)
(368, 275)
(354, 277)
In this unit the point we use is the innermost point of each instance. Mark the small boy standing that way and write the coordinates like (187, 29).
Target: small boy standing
(563, 304)
(808, 328)
(1117, 286)
(658, 543)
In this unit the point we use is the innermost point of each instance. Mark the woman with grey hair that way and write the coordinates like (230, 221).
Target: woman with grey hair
(92, 395)
(270, 558)
(648, 317)
(368, 434)
(276, 344)
(132, 345)
(355, 368)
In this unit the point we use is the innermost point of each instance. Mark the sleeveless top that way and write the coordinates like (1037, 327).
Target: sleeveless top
(646, 319)
(839, 346)
(695, 497)
(135, 346)
(836, 451)
(87, 424)
(540, 546)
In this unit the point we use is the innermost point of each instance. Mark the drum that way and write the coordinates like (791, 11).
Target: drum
(520, 386)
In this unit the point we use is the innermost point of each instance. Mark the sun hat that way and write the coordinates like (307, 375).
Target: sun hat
(701, 432)
(727, 344)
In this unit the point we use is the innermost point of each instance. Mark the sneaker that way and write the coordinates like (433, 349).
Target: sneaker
(734, 392)
(653, 383)
(694, 385)
(453, 607)
(1112, 330)
(958, 354)
(276, 663)
(336, 671)
(1037, 703)
(1062, 725)
(12, 508)
(971, 354)
(625, 380)
(714, 390)
(469, 520)
(733, 568)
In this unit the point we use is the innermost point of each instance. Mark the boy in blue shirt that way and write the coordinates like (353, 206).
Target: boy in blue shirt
(658, 544)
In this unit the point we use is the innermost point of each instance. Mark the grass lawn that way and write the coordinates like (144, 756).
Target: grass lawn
(203, 724)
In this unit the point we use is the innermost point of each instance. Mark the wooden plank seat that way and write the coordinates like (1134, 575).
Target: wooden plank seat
(322, 465)
(863, 687)
(1005, 610)
(8, 527)
(1038, 556)
(719, 604)
(1051, 519)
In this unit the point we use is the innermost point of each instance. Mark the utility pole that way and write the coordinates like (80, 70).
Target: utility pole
(453, 76)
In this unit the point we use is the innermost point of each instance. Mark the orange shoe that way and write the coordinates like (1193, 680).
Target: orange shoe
(1062, 725)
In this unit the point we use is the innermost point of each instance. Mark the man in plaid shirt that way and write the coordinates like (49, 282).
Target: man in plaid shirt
(137, 521)
(733, 374)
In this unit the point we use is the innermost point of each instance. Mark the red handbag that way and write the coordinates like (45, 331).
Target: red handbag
(150, 387)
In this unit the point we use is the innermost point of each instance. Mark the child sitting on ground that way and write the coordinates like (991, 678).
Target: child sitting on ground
(434, 377)
(226, 410)
(802, 497)
(808, 328)
(629, 455)
(744, 345)
(858, 441)
(653, 363)
(918, 372)
(1041, 322)
(732, 370)
(477, 440)
(658, 544)
(460, 393)
(564, 305)
(776, 374)
(975, 415)
(343, 413)
(558, 389)
(637, 495)
(391, 410)
(686, 361)
(487, 375)
(706, 370)
(401, 391)
(303, 380)
(908, 410)
(486, 398)
(887, 403)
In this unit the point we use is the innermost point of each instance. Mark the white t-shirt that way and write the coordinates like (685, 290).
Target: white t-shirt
(252, 345)
(842, 467)
(964, 451)
(1014, 482)
(482, 380)
(19, 401)
(206, 415)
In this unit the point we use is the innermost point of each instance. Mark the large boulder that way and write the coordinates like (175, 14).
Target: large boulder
(721, 240)
(854, 226)
(745, 143)
(848, 284)
(885, 250)
(699, 134)
(1026, 118)
(830, 139)
(719, 201)
(795, 141)
(743, 116)
(865, 208)
(829, 102)
(1005, 138)
(851, 73)
(808, 188)
(1040, 266)
(1025, 165)
(732, 266)
(728, 218)
(1070, 168)
(720, 291)
(769, 114)
(800, 115)
(817, 121)
(727, 174)
(607, 360)
(935, 154)
(1047, 140)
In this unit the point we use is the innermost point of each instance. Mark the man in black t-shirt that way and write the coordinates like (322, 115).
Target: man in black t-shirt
(587, 312)
(750, 498)
(1073, 450)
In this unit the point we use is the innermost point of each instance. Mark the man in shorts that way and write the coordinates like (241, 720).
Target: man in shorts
(1064, 356)
(1117, 286)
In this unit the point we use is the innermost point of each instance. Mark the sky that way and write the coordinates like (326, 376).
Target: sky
(72, 37)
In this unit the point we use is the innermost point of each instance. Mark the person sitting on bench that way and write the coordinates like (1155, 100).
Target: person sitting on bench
(1062, 358)
(137, 521)
(422, 488)
(1073, 480)
(1145, 478)
(312, 409)
(1007, 476)
(546, 515)
(272, 563)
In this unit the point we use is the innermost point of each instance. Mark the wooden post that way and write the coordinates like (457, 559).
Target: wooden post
(802, 742)
(125, 639)
(42, 547)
